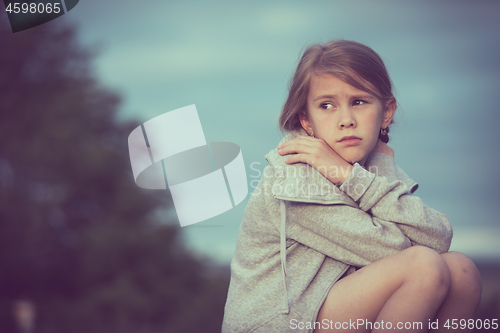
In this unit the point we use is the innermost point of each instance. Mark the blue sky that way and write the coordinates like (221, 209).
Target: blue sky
(233, 60)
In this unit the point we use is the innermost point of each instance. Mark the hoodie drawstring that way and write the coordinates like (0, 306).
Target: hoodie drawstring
(286, 308)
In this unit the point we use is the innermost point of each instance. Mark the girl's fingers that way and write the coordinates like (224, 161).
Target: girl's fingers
(296, 148)
(296, 158)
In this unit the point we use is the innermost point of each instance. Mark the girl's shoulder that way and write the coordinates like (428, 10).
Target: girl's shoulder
(384, 165)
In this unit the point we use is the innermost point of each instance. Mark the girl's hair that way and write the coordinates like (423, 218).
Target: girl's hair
(351, 62)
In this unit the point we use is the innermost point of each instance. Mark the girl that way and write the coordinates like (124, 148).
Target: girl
(332, 238)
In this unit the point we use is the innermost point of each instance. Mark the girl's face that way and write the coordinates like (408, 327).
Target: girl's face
(337, 110)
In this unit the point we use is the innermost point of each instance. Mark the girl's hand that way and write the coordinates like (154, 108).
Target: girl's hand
(382, 147)
(318, 154)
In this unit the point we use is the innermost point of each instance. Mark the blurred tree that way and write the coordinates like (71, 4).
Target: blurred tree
(76, 234)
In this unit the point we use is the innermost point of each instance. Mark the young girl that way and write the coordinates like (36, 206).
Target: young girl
(332, 238)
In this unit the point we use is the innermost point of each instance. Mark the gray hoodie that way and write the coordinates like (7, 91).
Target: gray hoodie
(300, 234)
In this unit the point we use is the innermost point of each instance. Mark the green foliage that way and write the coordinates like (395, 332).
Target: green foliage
(76, 234)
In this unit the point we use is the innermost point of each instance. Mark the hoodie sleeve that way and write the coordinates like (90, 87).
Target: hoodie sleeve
(344, 233)
(389, 219)
(386, 197)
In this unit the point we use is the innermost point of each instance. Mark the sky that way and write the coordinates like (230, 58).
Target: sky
(233, 59)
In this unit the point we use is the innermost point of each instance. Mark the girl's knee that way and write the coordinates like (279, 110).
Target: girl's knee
(428, 268)
(426, 260)
(465, 277)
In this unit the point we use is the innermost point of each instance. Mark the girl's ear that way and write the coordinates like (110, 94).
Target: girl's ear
(305, 122)
(390, 108)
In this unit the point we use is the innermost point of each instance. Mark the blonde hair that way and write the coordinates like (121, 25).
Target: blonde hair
(351, 62)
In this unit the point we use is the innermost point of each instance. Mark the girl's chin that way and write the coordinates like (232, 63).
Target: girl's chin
(352, 159)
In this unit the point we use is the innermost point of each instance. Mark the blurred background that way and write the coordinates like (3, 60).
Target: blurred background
(83, 249)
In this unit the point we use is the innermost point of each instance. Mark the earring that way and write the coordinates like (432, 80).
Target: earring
(383, 131)
(311, 134)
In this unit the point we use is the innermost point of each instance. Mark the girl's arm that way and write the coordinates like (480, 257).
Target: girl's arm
(384, 165)
(388, 220)
(391, 200)
(343, 232)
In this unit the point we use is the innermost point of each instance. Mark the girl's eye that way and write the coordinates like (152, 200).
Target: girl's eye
(327, 106)
(359, 102)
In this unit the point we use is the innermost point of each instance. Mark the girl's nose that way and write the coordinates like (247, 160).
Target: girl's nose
(346, 118)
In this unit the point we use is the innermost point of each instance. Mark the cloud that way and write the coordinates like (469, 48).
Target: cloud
(284, 20)
(164, 62)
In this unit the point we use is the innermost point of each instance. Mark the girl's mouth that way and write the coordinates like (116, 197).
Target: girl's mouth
(350, 140)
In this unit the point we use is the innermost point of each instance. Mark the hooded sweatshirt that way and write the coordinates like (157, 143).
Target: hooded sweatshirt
(301, 233)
